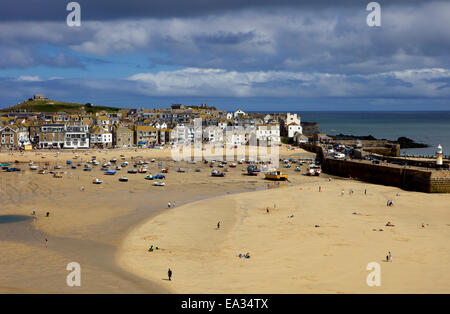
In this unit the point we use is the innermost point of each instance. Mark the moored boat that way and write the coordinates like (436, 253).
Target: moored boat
(276, 176)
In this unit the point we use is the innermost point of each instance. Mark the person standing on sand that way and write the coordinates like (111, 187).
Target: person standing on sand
(218, 225)
(46, 242)
(169, 205)
(169, 274)
(390, 256)
(320, 188)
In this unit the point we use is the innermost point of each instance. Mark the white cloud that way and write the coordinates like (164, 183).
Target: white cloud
(25, 78)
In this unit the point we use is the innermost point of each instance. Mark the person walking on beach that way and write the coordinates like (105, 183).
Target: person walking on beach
(34, 212)
(169, 273)
(390, 257)
(169, 205)
(218, 225)
(46, 242)
(342, 193)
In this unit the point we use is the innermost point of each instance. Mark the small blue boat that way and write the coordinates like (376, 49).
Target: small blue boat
(69, 162)
(110, 172)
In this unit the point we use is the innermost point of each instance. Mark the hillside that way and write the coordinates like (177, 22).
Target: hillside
(56, 106)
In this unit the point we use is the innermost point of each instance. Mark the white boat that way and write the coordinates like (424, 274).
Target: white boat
(159, 183)
(313, 170)
(33, 167)
(97, 181)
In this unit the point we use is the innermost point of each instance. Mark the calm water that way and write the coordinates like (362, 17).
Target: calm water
(6, 219)
(431, 128)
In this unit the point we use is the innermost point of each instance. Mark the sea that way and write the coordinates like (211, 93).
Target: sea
(431, 128)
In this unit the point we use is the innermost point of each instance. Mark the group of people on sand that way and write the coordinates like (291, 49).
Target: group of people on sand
(169, 204)
(246, 255)
(34, 213)
(389, 257)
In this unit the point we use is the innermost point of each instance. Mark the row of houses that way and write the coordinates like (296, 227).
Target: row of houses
(128, 128)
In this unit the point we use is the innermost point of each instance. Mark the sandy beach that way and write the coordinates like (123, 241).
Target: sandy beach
(309, 242)
(89, 226)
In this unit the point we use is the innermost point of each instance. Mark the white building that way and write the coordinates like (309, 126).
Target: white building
(77, 136)
(101, 137)
(238, 113)
(213, 134)
(293, 125)
(269, 134)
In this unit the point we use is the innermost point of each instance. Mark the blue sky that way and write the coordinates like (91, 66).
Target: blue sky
(260, 55)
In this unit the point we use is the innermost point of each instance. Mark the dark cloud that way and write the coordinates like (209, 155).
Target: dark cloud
(55, 10)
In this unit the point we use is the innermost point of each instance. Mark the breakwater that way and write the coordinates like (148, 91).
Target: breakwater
(405, 177)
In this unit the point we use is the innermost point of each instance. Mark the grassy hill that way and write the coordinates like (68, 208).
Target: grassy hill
(56, 106)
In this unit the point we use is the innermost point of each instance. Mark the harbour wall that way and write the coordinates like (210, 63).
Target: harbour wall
(407, 178)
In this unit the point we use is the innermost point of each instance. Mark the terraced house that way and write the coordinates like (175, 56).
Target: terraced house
(146, 135)
(52, 135)
(77, 136)
(123, 137)
(8, 137)
(101, 137)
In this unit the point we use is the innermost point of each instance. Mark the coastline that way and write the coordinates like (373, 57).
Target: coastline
(328, 259)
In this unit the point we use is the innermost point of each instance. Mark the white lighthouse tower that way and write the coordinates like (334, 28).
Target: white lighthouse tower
(439, 162)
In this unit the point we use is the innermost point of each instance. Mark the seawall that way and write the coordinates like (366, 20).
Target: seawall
(404, 177)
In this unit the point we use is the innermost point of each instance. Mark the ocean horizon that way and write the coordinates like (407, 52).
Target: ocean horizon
(428, 127)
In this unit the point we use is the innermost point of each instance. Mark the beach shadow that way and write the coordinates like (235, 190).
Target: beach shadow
(165, 279)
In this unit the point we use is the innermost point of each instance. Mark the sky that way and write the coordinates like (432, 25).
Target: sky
(257, 55)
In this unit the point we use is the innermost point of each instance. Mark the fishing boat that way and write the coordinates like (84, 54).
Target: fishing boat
(133, 171)
(233, 165)
(197, 170)
(97, 181)
(110, 172)
(253, 170)
(124, 164)
(12, 169)
(220, 165)
(149, 177)
(160, 177)
(276, 176)
(118, 168)
(298, 169)
(314, 170)
(142, 170)
(181, 170)
(153, 160)
(68, 162)
(57, 167)
(33, 167)
(159, 183)
(217, 173)
(41, 171)
(57, 175)
(164, 170)
(114, 160)
(123, 179)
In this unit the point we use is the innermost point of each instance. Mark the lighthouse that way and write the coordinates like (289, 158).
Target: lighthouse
(439, 162)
